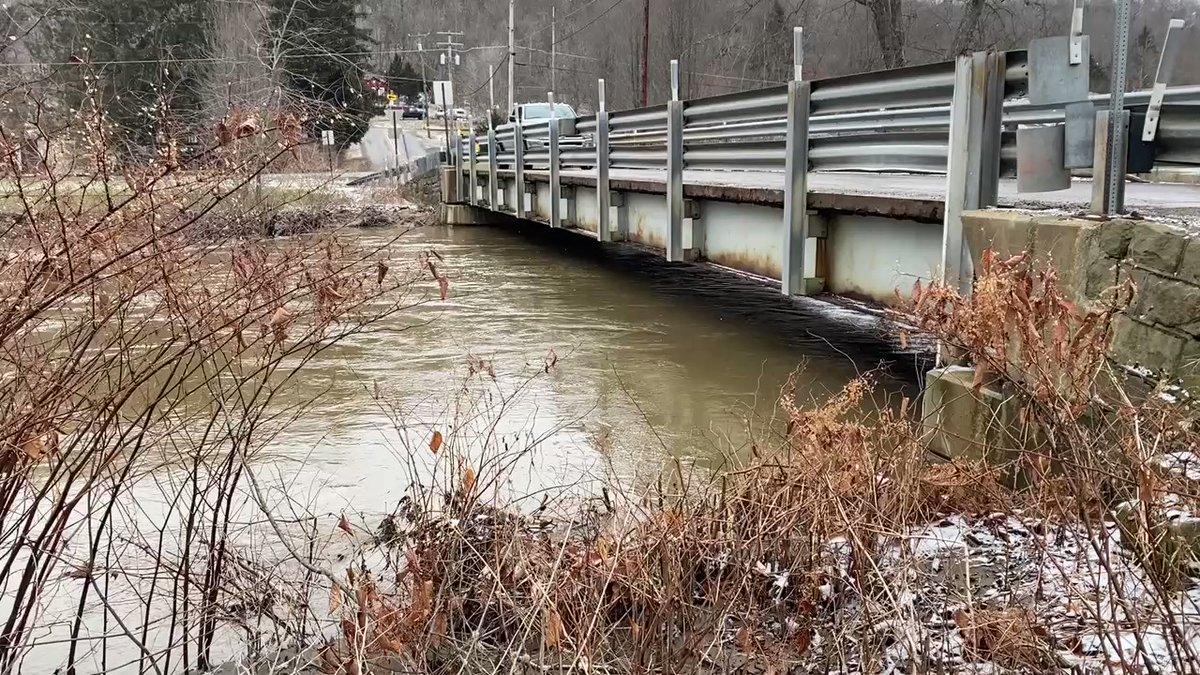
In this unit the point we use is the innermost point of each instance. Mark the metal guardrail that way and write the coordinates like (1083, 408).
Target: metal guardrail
(748, 129)
(957, 118)
(1178, 140)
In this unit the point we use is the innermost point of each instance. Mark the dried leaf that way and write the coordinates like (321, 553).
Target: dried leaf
(435, 443)
(744, 640)
(344, 525)
(441, 626)
(381, 270)
(280, 317)
(468, 482)
(903, 339)
(553, 630)
(980, 374)
(444, 287)
(335, 599)
(279, 322)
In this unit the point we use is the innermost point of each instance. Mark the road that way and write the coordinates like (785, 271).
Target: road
(378, 148)
(1168, 200)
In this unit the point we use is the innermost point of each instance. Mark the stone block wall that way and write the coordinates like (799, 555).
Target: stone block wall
(1160, 330)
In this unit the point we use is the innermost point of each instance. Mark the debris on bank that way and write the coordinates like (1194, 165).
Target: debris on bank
(995, 593)
(293, 221)
(297, 220)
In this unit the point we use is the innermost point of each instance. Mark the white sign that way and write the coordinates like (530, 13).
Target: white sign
(327, 137)
(443, 93)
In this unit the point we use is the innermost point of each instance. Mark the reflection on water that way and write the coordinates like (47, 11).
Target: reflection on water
(651, 360)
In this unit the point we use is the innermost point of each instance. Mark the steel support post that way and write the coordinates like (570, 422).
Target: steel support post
(472, 162)
(955, 260)
(987, 112)
(795, 189)
(1102, 184)
(1116, 102)
(555, 179)
(675, 170)
(493, 172)
(519, 169)
(456, 162)
(618, 200)
(797, 53)
(603, 196)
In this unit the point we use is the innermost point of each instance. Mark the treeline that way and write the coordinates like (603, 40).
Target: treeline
(726, 46)
(169, 69)
(156, 64)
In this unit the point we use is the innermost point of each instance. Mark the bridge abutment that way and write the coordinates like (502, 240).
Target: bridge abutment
(1158, 332)
(1155, 335)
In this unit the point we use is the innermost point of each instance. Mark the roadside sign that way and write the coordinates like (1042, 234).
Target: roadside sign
(443, 93)
(392, 97)
(327, 137)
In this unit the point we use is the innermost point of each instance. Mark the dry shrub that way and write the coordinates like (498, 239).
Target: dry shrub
(1010, 638)
(813, 553)
(142, 357)
(1018, 325)
(790, 557)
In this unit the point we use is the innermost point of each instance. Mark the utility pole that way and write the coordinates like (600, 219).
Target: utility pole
(425, 93)
(512, 53)
(450, 58)
(645, 53)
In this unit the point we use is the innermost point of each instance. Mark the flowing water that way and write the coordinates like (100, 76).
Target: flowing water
(591, 360)
(651, 361)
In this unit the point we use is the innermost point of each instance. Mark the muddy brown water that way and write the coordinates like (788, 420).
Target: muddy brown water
(652, 362)
(608, 364)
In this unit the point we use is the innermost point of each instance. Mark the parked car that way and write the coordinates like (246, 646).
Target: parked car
(529, 114)
(412, 112)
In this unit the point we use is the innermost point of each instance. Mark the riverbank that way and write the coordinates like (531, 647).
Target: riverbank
(835, 546)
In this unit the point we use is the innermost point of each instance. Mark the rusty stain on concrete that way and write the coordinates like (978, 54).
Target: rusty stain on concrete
(744, 262)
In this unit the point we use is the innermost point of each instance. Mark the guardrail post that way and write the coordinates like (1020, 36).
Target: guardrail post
(795, 190)
(603, 197)
(1101, 185)
(987, 113)
(555, 180)
(519, 168)
(674, 169)
(456, 162)
(955, 260)
(473, 198)
(798, 53)
(493, 170)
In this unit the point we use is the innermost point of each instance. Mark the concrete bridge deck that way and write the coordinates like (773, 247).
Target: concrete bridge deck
(915, 197)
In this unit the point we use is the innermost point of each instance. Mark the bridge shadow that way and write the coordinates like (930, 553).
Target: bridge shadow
(821, 328)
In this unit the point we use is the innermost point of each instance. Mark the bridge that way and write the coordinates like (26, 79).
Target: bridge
(853, 185)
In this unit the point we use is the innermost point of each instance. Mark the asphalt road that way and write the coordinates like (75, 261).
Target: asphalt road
(1172, 200)
(378, 148)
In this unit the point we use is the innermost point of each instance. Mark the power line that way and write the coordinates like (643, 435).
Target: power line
(568, 15)
(489, 77)
(217, 59)
(587, 25)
